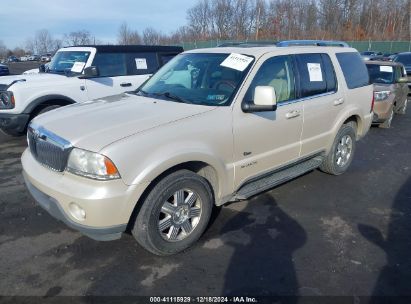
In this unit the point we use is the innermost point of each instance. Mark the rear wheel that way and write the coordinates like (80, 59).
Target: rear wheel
(342, 151)
(175, 213)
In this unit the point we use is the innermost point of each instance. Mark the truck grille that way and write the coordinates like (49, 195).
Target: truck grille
(47, 148)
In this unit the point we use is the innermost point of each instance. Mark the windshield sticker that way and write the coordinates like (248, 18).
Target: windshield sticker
(216, 97)
(78, 67)
(386, 68)
(314, 70)
(237, 62)
(141, 63)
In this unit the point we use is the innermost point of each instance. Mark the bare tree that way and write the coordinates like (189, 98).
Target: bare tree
(81, 37)
(200, 19)
(127, 36)
(151, 36)
(44, 41)
(3, 50)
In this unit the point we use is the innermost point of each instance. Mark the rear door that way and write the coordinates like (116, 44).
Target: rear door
(321, 99)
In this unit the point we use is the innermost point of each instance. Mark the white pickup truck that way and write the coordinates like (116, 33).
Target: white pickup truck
(77, 74)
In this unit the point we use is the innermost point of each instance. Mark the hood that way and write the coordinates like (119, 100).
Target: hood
(96, 124)
(39, 78)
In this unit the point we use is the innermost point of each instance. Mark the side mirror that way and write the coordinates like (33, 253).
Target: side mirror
(91, 72)
(403, 80)
(264, 100)
(42, 68)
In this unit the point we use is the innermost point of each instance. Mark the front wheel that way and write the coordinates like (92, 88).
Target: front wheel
(174, 214)
(342, 151)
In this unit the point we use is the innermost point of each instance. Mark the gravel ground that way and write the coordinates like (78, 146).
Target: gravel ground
(316, 235)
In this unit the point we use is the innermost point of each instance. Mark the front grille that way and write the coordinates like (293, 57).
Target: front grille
(47, 148)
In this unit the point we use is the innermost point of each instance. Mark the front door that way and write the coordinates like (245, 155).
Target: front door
(264, 141)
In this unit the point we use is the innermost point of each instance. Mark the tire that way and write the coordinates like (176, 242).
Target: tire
(387, 124)
(13, 133)
(403, 110)
(335, 163)
(46, 109)
(175, 190)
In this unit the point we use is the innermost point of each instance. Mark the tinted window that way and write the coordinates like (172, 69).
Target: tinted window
(311, 71)
(276, 72)
(380, 73)
(111, 64)
(142, 63)
(405, 59)
(166, 57)
(354, 69)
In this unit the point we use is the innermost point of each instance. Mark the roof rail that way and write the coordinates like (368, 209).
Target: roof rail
(312, 43)
(247, 44)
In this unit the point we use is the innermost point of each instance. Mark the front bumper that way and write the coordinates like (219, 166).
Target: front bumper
(52, 206)
(14, 123)
(108, 205)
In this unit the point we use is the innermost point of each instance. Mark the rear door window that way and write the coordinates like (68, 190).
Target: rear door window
(142, 63)
(316, 74)
(354, 69)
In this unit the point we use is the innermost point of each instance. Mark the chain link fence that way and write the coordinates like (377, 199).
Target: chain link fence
(378, 46)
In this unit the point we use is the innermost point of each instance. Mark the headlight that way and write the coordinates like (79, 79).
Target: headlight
(6, 100)
(381, 95)
(91, 165)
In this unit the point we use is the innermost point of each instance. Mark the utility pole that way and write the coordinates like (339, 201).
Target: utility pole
(257, 25)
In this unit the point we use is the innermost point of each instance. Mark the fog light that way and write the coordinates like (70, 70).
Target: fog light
(77, 212)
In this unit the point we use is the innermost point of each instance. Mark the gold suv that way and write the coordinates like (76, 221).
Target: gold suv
(390, 90)
(211, 126)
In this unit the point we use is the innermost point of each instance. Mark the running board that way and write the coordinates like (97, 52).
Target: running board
(276, 178)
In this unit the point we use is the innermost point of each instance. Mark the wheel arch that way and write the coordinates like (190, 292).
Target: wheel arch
(39, 103)
(201, 168)
(358, 121)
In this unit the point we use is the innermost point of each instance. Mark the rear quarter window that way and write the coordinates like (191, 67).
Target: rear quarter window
(354, 69)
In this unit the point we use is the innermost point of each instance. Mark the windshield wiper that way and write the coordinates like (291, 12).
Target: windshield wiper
(172, 96)
(169, 95)
(140, 92)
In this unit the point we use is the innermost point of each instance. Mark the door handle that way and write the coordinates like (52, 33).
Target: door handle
(126, 84)
(292, 114)
(338, 101)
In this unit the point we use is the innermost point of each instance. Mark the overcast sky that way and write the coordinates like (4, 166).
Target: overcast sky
(19, 19)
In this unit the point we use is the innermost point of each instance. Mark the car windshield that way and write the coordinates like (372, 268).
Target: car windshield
(404, 59)
(381, 73)
(204, 79)
(367, 53)
(64, 61)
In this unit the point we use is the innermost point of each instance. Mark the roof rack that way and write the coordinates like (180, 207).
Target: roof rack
(247, 44)
(312, 43)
